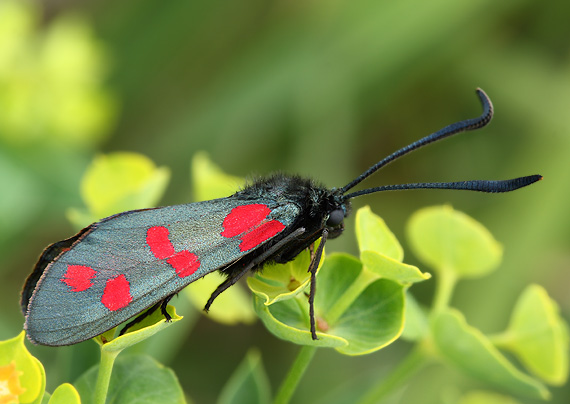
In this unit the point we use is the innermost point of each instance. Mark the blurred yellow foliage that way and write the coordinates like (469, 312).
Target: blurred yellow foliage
(51, 79)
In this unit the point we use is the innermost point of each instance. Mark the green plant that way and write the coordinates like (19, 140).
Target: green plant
(362, 305)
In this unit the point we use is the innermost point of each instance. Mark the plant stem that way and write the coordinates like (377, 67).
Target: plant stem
(415, 360)
(104, 375)
(444, 289)
(295, 374)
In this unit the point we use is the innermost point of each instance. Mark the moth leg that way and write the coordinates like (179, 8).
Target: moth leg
(313, 270)
(162, 304)
(312, 251)
(224, 285)
(256, 261)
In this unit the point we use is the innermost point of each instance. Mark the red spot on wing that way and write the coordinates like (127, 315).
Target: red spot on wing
(261, 233)
(250, 222)
(117, 293)
(184, 262)
(244, 218)
(79, 277)
(159, 243)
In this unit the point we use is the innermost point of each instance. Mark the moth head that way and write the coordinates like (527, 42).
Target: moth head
(334, 222)
(335, 217)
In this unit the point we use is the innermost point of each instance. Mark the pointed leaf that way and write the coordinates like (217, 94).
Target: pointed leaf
(539, 336)
(389, 268)
(248, 384)
(449, 240)
(65, 394)
(469, 350)
(373, 235)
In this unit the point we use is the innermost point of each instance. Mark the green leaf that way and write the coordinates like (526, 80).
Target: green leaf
(374, 320)
(231, 307)
(136, 379)
(248, 384)
(539, 336)
(25, 370)
(380, 251)
(339, 283)
(486, 397)
(289, 320)
(372, 234)
(449, 240)
(138, 332)
(416, 325)
(209, 181)
(284, 281)
(389, 268)
(356, 312)
(118, 182)
(469, 350)
(65, 394)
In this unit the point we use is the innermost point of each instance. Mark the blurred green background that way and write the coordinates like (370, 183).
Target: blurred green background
(319, 88)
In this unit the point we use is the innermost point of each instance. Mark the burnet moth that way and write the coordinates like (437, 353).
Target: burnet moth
(138, 260)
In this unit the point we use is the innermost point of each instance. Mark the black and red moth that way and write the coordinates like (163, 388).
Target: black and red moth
(134, 262)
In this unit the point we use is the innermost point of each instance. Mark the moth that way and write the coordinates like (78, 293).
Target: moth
(132, 263)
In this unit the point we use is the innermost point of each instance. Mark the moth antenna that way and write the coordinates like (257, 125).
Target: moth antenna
(477, 185)
(454, 128)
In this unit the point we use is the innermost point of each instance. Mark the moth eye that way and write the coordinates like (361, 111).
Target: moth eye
(335, 218)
